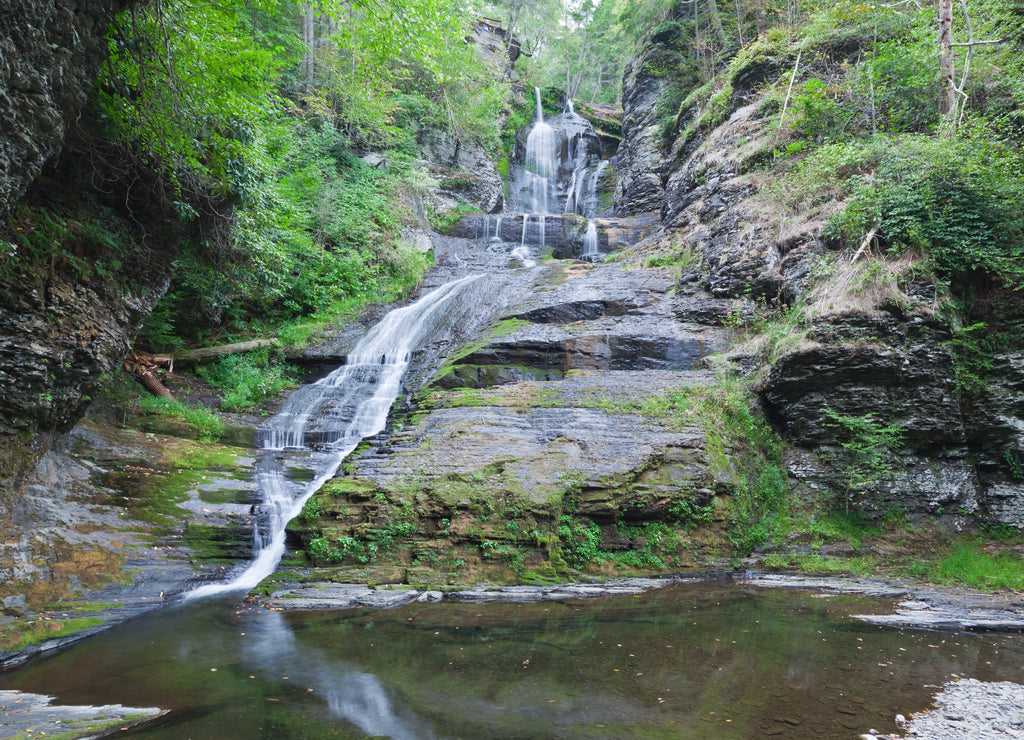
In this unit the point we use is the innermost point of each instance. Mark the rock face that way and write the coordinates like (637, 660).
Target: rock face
(529, 443)
(50, 51)
(465, 173)
(883, 351)
(68, 312)
(639, 188)
(67, 319)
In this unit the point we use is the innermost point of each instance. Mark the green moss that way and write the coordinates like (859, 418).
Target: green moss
(500, 329)
(225, 496)
(968, 564)
(444, 222)
(816, 564)
(212, 544)
(79, 607)
(30, 633)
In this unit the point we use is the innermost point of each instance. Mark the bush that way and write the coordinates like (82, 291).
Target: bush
(247, 379)
(955, 198)
(579, 541)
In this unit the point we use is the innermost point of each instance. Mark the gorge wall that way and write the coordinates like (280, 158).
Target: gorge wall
(88, 234)
(856, 340)
(50, 52)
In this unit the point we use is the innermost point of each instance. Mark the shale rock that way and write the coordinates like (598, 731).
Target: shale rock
(50, 51)
(464, 171)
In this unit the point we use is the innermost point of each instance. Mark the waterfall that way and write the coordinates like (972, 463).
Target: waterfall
(542, 172)
(590, 242)
(321, 423)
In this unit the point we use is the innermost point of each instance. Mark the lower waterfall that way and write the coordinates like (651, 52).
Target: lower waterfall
(321, 423)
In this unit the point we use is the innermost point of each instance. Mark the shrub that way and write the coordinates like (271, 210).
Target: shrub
(247, 379)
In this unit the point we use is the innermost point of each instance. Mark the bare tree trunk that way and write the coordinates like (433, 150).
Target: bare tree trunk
(716, 23)
(740, 18)
(597, 84)
(309, 42)
(947, 86)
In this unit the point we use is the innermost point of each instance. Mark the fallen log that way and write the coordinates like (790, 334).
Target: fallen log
(154, 386)
(208, 353)
(142, 364)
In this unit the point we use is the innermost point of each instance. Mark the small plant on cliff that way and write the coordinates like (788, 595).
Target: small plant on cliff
(868, 443)
(580, 541)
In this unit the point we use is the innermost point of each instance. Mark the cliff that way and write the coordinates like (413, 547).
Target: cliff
(829, 340)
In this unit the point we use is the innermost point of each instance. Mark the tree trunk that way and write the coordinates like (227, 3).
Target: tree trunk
(207, 353)
(154, 386)
(309, 42)
(947, 87)
(716, 23)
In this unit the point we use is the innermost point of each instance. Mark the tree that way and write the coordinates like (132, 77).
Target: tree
(947, 86)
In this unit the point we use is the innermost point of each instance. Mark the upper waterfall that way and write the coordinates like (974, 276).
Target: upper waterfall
(557, 166)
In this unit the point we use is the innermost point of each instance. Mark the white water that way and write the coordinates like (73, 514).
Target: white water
(590, 250)
(542, 173)
(321, 423)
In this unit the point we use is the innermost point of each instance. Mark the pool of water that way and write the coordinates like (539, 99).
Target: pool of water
(688, 661)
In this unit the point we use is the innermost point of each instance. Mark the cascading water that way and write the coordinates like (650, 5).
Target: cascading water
(590, 250)
(321, 423)
(541, 177)
(560, 173)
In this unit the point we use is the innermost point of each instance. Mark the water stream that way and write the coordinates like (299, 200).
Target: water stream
(697, 661)
(321, 423)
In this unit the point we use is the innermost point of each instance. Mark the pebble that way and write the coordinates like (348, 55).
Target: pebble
(969, 709)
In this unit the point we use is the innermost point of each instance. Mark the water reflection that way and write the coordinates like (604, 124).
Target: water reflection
(351, 693)
(685, 662)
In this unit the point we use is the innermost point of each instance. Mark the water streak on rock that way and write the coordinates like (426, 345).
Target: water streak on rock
(321, 423)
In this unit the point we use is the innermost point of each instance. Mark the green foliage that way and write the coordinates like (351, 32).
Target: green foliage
(247, 379)
(287, 222)
(62, 241)
(968, 564)
(955, 198)
(185, 86)
(318, 229)
(869, 444)
(973, 347)
(580, 541)
(819, 115)
(652, 542)
(689, 513)
(207, 424)
(444, 223)
(310, 510)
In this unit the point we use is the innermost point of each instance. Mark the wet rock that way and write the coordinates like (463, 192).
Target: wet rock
(350, 596)
(639, 160)
(905, 369)
(14, 605)
(606, 319)
(465, 173)
(26, 715)
(967, 709)
(1003, 503)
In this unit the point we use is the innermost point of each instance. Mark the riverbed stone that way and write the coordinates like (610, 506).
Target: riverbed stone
(35, 715)
(14, 605)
